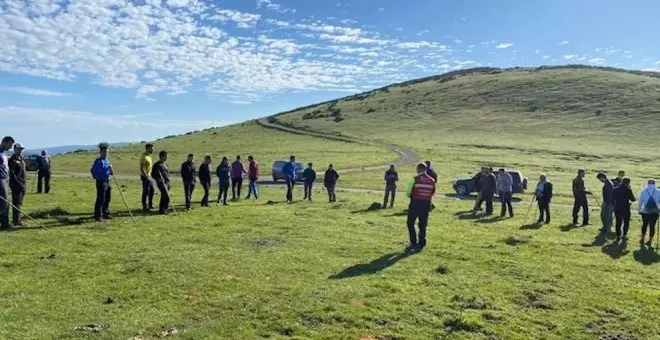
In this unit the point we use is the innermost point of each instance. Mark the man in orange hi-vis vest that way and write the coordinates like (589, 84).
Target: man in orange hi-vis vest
(420, 191)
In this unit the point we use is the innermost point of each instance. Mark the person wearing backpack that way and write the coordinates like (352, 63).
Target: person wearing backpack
(649, 208)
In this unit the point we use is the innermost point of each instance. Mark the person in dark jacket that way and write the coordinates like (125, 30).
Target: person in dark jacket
(223, 171)
(505, 190)
(431, 172)
(161, 174)
(543, 196)
(622, 197)
(619, 178)
(391, 177)
(581, 202)
(607, 209)
(204, 175)
(420, 190)
(17, 182)
(253, 177)
(43, 172)
(237, 171)
(488, 191)
(309, 176)
(6, 145)
(330, 183)
(289, 171)
(189, 177)
(101, 172)
(478, 181)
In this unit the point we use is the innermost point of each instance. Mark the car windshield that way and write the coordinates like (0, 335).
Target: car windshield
(299, 166)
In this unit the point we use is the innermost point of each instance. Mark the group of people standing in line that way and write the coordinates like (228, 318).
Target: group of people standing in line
(13, 178)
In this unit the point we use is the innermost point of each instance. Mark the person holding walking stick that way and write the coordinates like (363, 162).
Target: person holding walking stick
(161, 174)
(543, 197)
(6, 145)
(101, 172)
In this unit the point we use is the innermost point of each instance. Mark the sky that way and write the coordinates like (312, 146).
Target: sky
(84, 71)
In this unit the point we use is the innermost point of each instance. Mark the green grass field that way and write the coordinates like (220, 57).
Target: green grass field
(314, 270)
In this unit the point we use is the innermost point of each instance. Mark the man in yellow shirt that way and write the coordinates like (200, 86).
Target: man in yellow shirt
(146, 164)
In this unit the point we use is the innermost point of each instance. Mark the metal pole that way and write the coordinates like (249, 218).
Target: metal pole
(121, 194)
(529, 209)
(24, 214)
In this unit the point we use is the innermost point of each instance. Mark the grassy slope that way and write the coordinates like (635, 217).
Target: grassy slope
(553, 121)
(266, 145)
(310, 271)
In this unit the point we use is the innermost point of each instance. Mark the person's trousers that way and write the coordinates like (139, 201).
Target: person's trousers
(207, 187)
(581, 203)
(4, 206)
(606, 214)
(103, 196)
(505, 198)
(390, 193)
(164, 204)
(43, 181)
(648, 222)
(622, 220)
(488, 198)
(224, 189)
(252, 188)
(544, 210)
(236, 184)
(418, 210)
(290, 184)
(478, 202)
(308, 190)
(188, 189)
(17, 195)
(147, 193)
(332, 197)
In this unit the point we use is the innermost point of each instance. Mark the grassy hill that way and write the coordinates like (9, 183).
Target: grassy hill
(553, 120)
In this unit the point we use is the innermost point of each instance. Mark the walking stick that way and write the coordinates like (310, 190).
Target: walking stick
(24, 214)
(529, 209)
(122, 198)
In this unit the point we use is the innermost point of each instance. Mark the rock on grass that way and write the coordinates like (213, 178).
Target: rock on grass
(514, 240)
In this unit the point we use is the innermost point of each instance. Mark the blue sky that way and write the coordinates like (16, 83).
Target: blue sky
(82, 71)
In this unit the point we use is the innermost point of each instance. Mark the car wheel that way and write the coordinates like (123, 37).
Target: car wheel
(461, 190)
(274, 179)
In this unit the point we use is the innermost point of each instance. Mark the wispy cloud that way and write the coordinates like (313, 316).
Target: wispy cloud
(268, 4)
(569, 56)
(562, 43)
(35, 92)
(422, 32)
(458, 41)
(504, 45)
(381, 9)
(545, 57)
(537, 51)
(242, 20)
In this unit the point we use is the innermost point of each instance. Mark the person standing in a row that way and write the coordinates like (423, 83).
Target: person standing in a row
(6, 145)
(224, 173)
(309, 176)
(204, 175)
(237, 171)
(161, 174)
(505, 190)
(101, 172)
(253, 177)
(544, 197)
(488, 191)
(146, 165)
(391, 177)
(189, 177)
(581, 202)
(43, 172)
(420, 190)
(289, 171)
(622, 197)
(649, 208)
(17, 182)
(607, 208)
(330, 182)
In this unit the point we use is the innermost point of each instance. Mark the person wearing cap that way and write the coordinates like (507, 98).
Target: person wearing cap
(607, 208)
(101, 172)
(17, 182)
(420, 190)
(146, 164)
(43, 172)
(6, 145)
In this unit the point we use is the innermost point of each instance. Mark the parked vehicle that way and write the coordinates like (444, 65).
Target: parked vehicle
(31, 162)
(465, 186)
(277, 170)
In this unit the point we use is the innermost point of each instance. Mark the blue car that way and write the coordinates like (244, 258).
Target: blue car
(465, 186)
(278, 174)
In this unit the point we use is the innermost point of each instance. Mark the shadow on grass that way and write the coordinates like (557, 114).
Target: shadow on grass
(490, 220)
(474, 198)
(568, 227)
(616, 250)
(598, 241)
(399, 214)
(646, 256)
(469, 215)
(372, 267)
(532, 226)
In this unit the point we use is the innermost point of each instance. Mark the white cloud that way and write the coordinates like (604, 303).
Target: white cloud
(597, 60)
(242, 20)
(537, 51)
(70, 125)
(657, 62)
(570, 56)
(422, 32)
(545, 57)
(562, 43)
(458, 41)
(35, 92)
(268, 4)
(381, 9)
(652, 69)
(504, 45)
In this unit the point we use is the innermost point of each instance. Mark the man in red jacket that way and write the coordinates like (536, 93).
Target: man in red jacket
(420, 190)
(253, 176)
